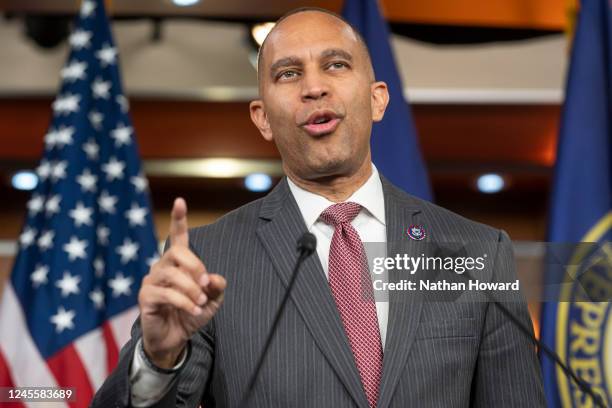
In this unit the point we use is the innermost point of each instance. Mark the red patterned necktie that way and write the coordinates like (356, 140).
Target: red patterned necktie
(351, 286)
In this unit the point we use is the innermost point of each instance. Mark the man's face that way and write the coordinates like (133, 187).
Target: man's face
(318, 97)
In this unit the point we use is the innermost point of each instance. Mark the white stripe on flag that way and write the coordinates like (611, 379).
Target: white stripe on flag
(91, 349)
(27, 366)
(121, 326)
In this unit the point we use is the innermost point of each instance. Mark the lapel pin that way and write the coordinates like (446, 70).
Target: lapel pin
(416, 232)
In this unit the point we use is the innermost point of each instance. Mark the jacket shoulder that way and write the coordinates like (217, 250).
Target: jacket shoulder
(445, 224)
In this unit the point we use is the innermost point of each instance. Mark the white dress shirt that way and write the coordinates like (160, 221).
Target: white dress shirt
(369, 223)
(149, 386)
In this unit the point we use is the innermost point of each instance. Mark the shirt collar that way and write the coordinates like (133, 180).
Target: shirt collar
(369, 196)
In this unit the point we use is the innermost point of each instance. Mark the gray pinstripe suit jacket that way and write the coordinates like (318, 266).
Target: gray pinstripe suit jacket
(437, 354)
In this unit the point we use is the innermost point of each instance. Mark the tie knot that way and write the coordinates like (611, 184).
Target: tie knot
(340, 213)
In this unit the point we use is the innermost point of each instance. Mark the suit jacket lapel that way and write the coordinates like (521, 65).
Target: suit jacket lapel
(404, 307)
(311, 294)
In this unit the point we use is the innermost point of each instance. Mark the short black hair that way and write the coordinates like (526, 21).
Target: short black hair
(321, 10)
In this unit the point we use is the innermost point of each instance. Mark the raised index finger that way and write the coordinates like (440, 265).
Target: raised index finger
(178, 224)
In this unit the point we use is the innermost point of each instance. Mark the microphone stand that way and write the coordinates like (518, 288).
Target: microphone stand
(583, 385)
(306, 245)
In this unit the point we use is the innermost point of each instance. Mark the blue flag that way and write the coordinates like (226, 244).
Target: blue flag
(88, 238)
(576, 326)
(395, 150)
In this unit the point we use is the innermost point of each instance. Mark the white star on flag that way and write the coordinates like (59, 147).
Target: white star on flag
(81, 215)
(87, 8)
(107, 55)
(113, 169)
(122, 135)
(52, 206)
(91, 149)
(58, 170)
(63, 319)
(69, 284)
(95, 118)
(43, 170)
(63, 136)
(50, 139)
(128, 251)
(45, 241)
(39, 276)
(101, 88)
(87, 181)
(75, 248)
(123, 103)
(36, 204)
(80, 39)
(97, 297)
(121, 285)
(73, 71)
(27, 237)
(107, 202)
(66, 104)
(136, 215)
(99, 267)
(102, 233)
(140, 182)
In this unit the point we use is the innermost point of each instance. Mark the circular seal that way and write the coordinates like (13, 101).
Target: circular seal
(416, 232)
(584, 318)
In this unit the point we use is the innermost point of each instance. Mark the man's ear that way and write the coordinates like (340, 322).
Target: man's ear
(380, 100)
(260, 119)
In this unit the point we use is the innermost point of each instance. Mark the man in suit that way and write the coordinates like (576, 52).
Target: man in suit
(334, 346)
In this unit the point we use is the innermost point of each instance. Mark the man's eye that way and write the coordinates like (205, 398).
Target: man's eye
(287, 75)
(337, 65)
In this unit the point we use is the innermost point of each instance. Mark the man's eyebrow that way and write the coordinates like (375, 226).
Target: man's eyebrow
(336, 52)
(285, 62)
(295, 61)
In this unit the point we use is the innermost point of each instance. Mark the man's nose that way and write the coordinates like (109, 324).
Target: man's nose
(314, 86)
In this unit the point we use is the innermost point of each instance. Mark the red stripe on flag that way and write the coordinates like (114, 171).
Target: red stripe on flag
(112, 352)
(7, 381)
(5, 374)
(69, 371)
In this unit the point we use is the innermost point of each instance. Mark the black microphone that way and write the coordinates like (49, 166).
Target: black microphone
(306, 245)
(569, 373)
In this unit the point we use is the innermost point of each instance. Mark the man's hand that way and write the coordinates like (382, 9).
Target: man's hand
(178, 296)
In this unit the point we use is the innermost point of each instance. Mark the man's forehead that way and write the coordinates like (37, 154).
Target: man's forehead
(308, 29)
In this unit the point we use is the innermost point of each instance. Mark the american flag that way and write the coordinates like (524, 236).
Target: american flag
(88, 239)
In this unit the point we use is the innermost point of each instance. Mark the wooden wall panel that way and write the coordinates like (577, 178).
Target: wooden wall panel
(519, 134)
(488, 133)
(165, 129)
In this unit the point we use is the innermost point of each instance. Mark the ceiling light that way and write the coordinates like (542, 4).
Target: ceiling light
(24, 180)
(260, 31)
(258, 182)
(185, 3)
(218, 167)
(490, 183)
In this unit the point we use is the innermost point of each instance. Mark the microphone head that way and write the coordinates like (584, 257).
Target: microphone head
(307, 243)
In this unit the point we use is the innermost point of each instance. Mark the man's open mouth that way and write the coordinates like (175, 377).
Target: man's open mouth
(321, 123)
